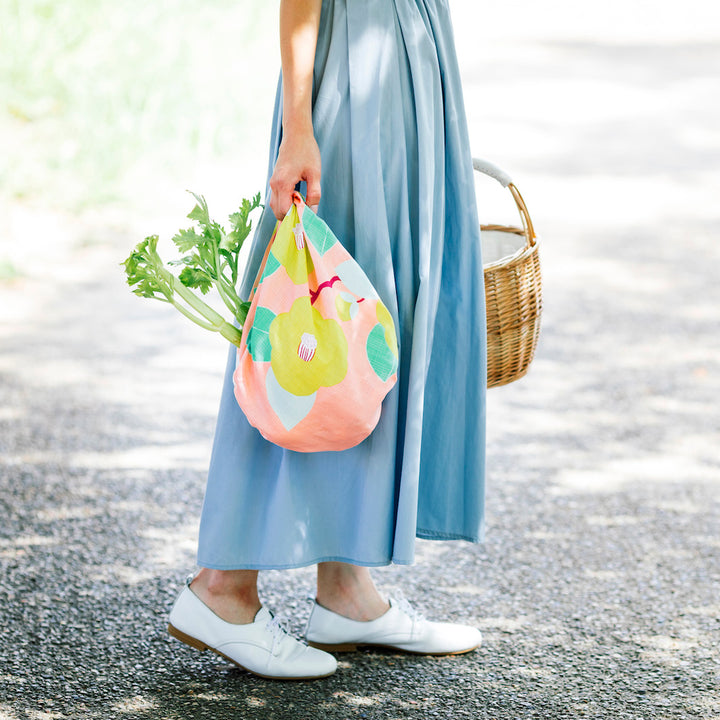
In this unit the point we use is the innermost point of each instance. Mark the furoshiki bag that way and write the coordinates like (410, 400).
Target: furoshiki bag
(319, 349)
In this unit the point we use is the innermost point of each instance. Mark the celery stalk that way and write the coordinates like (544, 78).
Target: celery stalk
(211, 259)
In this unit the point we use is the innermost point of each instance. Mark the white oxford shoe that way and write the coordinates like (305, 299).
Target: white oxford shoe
(261, 647)
(401, 628)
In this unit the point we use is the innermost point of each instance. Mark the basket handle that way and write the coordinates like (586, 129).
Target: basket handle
(487, 168)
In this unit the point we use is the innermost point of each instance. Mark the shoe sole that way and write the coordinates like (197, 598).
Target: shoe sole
(200, 645)
(352, 647)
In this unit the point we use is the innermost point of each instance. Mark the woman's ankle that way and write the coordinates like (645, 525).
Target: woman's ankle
(348, 590)
(230, 594)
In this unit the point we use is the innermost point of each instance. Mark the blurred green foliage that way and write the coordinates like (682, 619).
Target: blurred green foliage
(94, 90)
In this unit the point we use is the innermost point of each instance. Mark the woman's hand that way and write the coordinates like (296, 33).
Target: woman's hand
(298, 159)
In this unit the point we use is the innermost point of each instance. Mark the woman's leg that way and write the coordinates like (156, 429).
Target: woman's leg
(230, 594)
(349, 591)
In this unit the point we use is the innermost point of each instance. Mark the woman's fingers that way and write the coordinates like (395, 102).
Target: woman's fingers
(281, 191)
(282, 187)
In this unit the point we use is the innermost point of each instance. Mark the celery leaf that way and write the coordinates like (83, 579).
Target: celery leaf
(196, 278)
(200, 211)
(187, 239)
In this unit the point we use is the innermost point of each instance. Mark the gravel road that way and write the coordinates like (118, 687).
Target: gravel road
(598, 588)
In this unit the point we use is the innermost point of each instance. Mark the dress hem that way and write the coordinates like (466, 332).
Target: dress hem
(435, 535)
(305, 563)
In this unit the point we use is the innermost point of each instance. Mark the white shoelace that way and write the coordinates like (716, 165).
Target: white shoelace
(404, 605)
(279, 633)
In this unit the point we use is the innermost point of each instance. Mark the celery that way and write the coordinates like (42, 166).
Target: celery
(210, 259)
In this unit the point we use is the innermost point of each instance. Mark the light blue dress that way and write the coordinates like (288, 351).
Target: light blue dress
(397, 189)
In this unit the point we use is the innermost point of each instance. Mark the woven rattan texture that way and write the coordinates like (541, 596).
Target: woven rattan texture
(513, 297)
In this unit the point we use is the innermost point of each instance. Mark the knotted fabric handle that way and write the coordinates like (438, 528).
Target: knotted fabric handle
(299, 202)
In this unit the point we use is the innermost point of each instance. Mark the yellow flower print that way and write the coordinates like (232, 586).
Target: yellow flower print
(308, 351)
(290, 249)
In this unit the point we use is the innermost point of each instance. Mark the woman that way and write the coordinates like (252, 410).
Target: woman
(369, 117)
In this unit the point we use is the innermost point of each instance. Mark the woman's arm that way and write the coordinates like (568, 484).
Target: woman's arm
(299, 155)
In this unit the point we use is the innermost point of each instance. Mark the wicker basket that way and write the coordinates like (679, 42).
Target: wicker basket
(513, 291)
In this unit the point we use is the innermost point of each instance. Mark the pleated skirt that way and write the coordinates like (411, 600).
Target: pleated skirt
(398, 191)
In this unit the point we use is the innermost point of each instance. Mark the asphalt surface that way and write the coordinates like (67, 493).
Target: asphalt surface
(598, 588)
